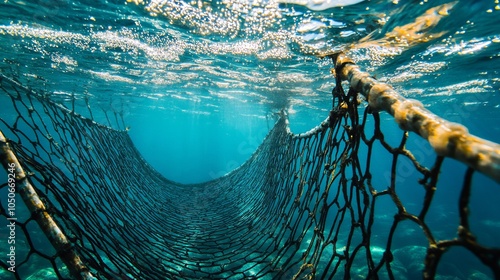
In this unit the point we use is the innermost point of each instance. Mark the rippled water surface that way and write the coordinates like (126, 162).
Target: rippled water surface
(198, 83)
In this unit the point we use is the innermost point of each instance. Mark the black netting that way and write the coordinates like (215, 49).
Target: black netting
(314, 205)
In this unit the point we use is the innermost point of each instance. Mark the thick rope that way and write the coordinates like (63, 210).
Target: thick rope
(448, 139)
(35, 205)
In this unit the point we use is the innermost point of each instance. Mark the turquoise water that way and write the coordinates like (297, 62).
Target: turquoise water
(198, 83)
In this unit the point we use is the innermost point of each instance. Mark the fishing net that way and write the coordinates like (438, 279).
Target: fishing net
(329, 202)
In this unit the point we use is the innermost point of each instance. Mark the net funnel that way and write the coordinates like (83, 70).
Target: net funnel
(332, 202)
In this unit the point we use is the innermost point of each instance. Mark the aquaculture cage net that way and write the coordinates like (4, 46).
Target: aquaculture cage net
(337, 201)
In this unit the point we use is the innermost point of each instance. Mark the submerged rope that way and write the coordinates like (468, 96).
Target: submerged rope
(448, 139)
(37, 207)
(303, 206)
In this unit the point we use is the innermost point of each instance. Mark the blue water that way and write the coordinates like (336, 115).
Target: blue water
(199, 82)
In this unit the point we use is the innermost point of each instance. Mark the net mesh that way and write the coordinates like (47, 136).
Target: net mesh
(314, 205)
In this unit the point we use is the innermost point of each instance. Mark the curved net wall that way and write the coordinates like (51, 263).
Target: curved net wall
(321, 204)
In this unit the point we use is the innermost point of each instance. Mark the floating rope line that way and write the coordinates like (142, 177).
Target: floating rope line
(304, 206)
(448, 139)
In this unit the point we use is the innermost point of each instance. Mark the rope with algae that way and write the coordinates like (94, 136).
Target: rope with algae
(448, 139)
